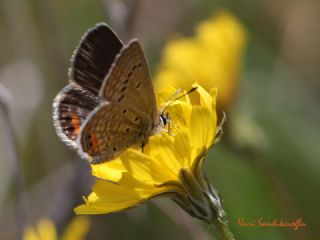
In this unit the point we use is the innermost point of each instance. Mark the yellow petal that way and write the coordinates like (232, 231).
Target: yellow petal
(30, 234)
(138, 165)
(138, 185)
(213, 93)
(167, 77)
(180, 66)
(114, 193)
(165, 93)
(201, 128)
(180, 52)
(186, 109)
(179, 115)
(164, 156)
(77, 229)
(205, 98)
(182, 146)
(109, 170)
(47, 230)
(211, 57)
(109, 197)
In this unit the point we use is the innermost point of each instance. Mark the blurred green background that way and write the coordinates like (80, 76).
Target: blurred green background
(266, 167)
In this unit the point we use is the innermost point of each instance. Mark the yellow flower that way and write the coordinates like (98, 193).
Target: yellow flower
(171, 164)
(211, 57)
(46, 230)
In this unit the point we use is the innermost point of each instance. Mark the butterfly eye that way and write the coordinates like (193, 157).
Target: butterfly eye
(114, 149)
(163, 119)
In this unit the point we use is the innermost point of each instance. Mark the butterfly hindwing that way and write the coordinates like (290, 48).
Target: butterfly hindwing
(110, 129)
(94, 56)
(71, 107)
(128, 81)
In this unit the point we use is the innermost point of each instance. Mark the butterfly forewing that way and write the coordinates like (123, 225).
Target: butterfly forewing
(128, 81)
(110, 129)
(94, 56)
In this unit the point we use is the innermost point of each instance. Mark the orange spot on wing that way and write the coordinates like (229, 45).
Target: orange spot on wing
(77, 130)
(94, 140)
(75, 123)
(75, 120)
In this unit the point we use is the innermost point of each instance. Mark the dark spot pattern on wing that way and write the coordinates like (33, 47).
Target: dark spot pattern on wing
(71, 108)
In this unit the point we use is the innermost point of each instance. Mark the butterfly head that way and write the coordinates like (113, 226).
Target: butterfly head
(164, 116)
(164, 119)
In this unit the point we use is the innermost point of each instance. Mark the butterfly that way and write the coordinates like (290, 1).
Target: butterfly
(109, 104)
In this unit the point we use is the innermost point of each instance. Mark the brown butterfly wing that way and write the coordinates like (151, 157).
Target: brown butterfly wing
(111, 129)
(94, 56)
(128, 81)
(71, 107)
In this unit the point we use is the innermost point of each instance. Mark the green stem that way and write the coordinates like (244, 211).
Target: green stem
(223, 229)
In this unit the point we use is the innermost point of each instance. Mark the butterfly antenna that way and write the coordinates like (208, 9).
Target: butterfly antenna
(170, 101)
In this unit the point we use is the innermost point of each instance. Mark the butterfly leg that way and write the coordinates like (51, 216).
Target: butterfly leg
(142, 146)
(169, 120)
(169, 124)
